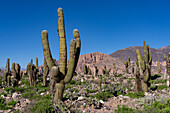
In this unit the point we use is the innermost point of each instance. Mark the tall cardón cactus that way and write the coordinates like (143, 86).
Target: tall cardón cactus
(145, 66)
(60, 75)
(127, 63)
(7, 74)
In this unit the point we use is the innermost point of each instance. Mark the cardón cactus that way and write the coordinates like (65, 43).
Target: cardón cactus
(127, 63)
(45, 72)
(167, 62)
(60, 75)
(7, 74)
(159, 69)
(145, 66)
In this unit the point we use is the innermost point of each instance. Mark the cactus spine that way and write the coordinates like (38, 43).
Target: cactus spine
(59, 75)
(127, 63)
(159, 69)
(145, 66)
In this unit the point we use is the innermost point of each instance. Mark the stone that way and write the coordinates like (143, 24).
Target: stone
(101, 101)
(42, 94)
(27, 101)
(16, 96)
(80, 98)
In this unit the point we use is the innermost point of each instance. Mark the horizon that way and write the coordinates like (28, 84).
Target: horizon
(121, 24)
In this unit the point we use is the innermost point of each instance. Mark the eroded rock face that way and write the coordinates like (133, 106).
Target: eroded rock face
(99, 60)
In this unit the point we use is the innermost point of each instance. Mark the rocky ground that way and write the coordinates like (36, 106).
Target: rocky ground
(83, 94)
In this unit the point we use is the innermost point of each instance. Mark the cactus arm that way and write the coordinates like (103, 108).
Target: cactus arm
(46, 50)
(123, 59)
(165, 57)
(36, 62)
(78, 44)
(55, 72)
(7, 66)
(63, 47)
(150, 57)
(72, 62)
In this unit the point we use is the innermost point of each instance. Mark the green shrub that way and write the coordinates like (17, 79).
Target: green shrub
(12, 103)
(102, 95)
(3, 106)
(160, 87)
(124, 109)
(135, 95)
(72, 82)
(44, 105)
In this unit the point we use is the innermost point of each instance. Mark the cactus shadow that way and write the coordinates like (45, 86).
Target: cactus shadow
(155, 76)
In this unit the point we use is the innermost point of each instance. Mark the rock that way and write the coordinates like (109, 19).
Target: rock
(80, 98)
(101, 101)
(15, 96)
(27, 101)
(2, 96)
(126, 97)
(42, 94)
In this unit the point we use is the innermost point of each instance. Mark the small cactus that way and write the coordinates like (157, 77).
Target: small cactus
(159, 69)
(127, 64)
(85, 69)
(114, 70)
(95, 71)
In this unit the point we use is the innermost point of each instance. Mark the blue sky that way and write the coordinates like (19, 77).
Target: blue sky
(105, 26)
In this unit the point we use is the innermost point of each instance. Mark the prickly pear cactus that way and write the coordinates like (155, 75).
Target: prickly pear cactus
(60, 75)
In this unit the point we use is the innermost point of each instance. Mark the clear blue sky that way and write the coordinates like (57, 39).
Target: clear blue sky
(105, 26)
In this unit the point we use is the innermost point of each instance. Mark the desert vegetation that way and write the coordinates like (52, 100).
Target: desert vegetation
(60, 88)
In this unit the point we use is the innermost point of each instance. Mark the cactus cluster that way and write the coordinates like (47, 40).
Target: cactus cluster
(60, 75)
(32, 72)
(16, 73)
(86, 70)
(144, 63)
(126, 63)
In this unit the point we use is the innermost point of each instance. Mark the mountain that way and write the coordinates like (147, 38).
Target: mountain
(131, 52)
